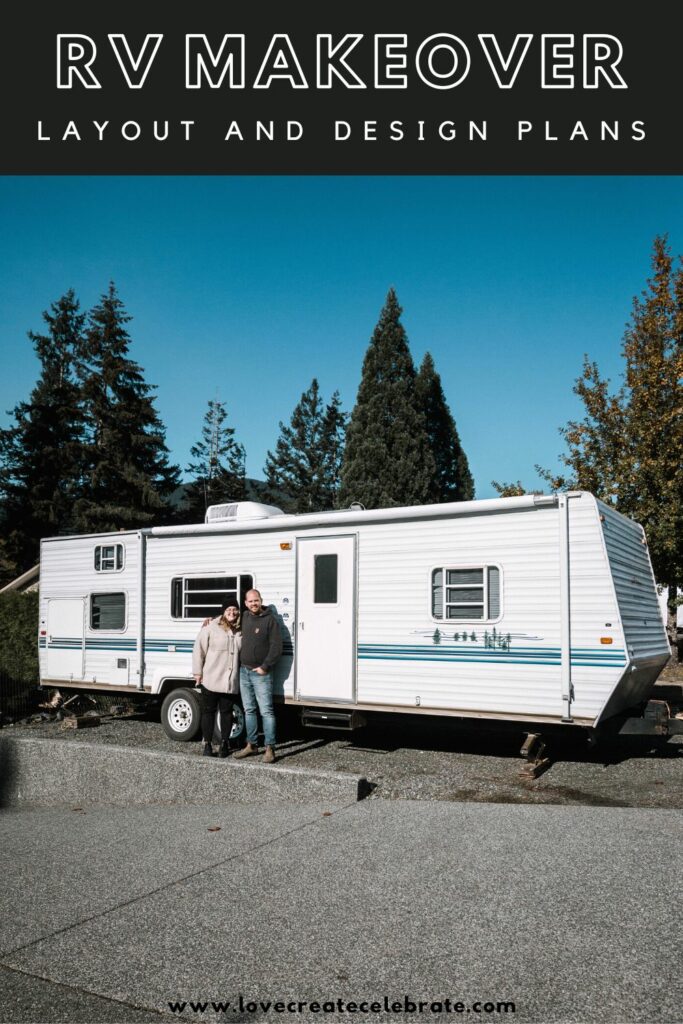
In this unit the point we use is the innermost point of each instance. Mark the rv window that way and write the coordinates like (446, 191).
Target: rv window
(325, 579)
(107, 611)
(109, 557)
(201, 597)
(466, 594)
(494, 591)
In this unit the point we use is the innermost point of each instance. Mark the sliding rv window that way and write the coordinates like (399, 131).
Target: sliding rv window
(466, 594)
(201, 597)
(109, 558)
(108, 611)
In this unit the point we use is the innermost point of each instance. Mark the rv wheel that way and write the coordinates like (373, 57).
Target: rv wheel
(180, 715)
(238, 726)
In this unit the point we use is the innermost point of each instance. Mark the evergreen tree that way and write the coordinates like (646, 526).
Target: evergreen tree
(388, 459)
(41, 453)
(333, 441)
(218, 468)
(302, 474)
(627, 449)
(453, 480)
(508, 490)
(128, 475)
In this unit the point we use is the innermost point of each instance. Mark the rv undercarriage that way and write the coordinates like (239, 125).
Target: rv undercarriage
(180, 719)
(656, 720)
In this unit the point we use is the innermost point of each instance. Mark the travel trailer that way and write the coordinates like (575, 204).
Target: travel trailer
(535, 609)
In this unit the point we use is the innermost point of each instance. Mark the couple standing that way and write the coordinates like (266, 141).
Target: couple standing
(231, 656)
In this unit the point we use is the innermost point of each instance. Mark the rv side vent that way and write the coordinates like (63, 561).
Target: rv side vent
(240, 510)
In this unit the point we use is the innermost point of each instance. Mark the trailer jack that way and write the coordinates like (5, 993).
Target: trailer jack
(533, 751)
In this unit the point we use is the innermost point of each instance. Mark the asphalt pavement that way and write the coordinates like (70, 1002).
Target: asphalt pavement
(572, 913)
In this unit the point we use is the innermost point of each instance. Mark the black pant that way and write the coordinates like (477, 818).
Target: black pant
(210, 702)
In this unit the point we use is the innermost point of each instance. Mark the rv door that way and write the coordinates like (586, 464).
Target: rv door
(325, 646)
(65, 638)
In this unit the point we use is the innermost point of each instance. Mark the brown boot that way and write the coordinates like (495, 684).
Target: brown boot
(269, 756)
(246, 751)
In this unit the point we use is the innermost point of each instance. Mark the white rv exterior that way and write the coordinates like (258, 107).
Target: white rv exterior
(539, 609)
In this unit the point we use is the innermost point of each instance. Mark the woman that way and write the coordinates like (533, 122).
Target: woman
(215, 666)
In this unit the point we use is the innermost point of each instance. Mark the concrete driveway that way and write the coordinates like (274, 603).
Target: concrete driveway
(571, 913)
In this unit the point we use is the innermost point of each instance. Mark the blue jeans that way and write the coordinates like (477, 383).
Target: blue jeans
(257, 694)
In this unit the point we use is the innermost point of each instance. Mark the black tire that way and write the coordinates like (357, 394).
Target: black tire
(181, 714)
(238, 726)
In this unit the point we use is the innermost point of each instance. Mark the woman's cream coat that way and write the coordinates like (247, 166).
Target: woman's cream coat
(216, 658)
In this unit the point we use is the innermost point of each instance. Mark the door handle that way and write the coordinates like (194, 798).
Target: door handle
(301, 625)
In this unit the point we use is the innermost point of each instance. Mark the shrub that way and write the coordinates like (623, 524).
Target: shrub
(18, 650)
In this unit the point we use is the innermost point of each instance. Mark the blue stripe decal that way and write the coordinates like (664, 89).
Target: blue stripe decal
(127, 644)
(485, 660)
(599, 657)
(532, 656)
(580, 656)
(471, 647)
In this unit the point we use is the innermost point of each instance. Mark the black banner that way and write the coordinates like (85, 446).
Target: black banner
(373, 88)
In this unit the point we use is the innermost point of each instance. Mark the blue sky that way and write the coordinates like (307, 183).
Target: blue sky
(246, 288)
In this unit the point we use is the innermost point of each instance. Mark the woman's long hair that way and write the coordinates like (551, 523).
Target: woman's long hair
(231, 627)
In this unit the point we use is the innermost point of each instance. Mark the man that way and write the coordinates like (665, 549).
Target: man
(261, 648)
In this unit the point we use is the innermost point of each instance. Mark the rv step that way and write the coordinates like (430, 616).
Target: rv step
(323, 719)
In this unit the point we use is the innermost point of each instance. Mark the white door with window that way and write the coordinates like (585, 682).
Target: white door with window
(65, 638)
(325, 648)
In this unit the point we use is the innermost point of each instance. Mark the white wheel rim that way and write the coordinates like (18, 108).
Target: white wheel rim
(237, 721)
(180, 715)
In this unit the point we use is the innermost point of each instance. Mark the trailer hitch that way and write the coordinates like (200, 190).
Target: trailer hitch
(656, 720)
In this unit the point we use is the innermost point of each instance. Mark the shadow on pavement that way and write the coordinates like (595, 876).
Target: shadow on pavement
(385, 735)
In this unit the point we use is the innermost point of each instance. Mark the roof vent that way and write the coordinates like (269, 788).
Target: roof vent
(235, 511)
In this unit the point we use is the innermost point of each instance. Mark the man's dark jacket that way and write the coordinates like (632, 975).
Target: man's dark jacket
(261, 640)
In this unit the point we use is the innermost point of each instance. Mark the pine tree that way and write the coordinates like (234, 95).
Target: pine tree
(509, 490)
(333, 441)
(453, 480)
(218, 468)
(41, 454)
(627, 449)
(388, 459)
(302, 473)
(129, 478)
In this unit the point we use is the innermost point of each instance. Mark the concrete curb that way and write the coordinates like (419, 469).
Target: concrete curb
(45, 773)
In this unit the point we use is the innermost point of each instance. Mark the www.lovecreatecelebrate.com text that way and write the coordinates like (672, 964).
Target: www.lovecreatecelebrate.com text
(340, 131)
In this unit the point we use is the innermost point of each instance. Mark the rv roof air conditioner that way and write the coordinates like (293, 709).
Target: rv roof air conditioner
(240, 510)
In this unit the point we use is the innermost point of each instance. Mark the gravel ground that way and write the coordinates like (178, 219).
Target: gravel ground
(414, 758)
